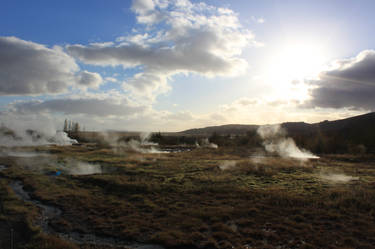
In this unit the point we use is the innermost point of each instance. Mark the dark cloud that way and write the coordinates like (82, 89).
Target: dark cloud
(351, 84)
(28, 68)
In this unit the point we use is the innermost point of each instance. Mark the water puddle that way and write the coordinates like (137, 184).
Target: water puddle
(25, 154)
(176, 148)
(49, 212)
(3, 167)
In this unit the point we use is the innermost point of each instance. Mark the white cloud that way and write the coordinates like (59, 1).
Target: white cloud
(28, 68)
(102, 44)
(113, 110)
(110, 79)
(99, 105)
(258, 19)
(143, 6)
(89, 79)
(179, 37)
(148, 84)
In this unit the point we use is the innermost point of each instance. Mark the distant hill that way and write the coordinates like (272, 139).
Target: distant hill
(365, 121)
(350, 135)
(359, 124)
(234, 129)
(354, 134)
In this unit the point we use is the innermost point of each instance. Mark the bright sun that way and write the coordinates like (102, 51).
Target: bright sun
(293, 62)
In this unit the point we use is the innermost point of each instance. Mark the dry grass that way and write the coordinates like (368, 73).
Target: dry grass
(184, 200)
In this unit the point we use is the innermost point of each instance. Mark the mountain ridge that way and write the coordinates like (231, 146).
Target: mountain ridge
(238, 129)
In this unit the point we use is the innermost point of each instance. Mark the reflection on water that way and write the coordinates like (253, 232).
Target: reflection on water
(23, 154)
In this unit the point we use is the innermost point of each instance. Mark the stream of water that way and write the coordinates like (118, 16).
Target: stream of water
(49, 212)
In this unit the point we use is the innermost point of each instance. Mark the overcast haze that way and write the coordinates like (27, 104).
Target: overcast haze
(157, 65)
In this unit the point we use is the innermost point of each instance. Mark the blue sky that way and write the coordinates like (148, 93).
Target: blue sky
(173, 65)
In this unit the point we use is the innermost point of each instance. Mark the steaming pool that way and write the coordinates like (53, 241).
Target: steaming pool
(45, 163)
(75, 167)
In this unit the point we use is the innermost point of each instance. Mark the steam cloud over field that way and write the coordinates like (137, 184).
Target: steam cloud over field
(337, 178)
(275, 140)
(28, 137)
(225, 165)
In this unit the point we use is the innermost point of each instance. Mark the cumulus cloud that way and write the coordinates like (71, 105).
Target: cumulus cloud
(258, 19)
(178, 37)
(28, 68)
(143, 6)
(88, 79)
(350, 84)
(148, 83)
(184, 116)
(110, 79)
(101, 105)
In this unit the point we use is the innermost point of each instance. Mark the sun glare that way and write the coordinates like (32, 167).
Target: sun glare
(296, 61)
(289, 65)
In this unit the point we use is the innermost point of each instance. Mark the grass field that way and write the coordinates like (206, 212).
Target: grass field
(205, 198)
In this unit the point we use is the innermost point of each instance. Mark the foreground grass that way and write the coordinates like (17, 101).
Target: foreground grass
(187, 200)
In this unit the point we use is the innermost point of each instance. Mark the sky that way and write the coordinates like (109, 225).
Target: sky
(157, 65)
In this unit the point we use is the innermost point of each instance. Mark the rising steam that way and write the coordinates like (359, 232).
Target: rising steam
(205, 143)
(20, 135)
(338, 178)
(142, 144)
(276, 141)
(225, 165)
(142, 147)
(74, 167)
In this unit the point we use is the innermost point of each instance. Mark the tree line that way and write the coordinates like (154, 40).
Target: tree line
(71, 126)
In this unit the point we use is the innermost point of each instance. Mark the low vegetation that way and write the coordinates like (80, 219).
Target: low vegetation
(204, 198)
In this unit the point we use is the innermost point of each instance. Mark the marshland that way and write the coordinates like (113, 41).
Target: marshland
(187, 124)
(102, 195)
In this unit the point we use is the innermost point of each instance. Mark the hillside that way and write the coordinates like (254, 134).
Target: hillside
(355, 134)
(360, 124)
(236, 129)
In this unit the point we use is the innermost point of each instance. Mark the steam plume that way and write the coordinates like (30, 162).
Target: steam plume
(207, 144)
(225, 165)
(28, 137)
(276, 141)
(142, 145)
(82, 168)
(336, 177)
